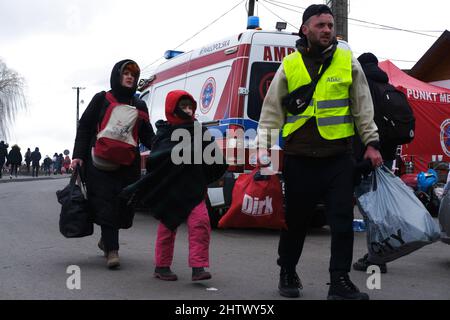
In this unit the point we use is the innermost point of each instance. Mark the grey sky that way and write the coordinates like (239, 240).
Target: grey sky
(22, 17)
(56, 45)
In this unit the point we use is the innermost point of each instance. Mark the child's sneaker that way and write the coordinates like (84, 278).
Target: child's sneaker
(200, 274)
(164, 273)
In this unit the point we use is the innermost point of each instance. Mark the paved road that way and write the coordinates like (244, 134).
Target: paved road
(34, 259)
(25, 178)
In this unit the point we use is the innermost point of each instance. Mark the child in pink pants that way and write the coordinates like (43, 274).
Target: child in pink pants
(199, 230)
(185, 203)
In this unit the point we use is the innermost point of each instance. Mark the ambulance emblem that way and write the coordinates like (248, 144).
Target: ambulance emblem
(445, 137)
(207, 95)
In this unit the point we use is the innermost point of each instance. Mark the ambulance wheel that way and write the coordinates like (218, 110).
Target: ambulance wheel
(213, 213)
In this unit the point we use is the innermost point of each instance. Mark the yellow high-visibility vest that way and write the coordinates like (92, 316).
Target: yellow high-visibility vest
(330, 102)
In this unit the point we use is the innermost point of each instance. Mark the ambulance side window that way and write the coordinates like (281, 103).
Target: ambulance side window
(261, 76)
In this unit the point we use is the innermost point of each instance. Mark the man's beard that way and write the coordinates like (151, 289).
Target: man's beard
(317, 47)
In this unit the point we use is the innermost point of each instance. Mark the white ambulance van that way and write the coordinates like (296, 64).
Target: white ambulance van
(229, 79)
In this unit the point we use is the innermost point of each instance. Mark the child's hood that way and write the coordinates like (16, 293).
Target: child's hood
(172, 100)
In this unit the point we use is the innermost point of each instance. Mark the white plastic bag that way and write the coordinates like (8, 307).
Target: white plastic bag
(397, 222)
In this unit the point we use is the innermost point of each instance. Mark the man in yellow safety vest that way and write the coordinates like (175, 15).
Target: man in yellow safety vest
(318, 162)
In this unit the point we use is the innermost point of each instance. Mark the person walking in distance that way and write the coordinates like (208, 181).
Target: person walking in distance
(28, 159)
(318, 160)
(66, 164)
(55, 163)
(107, 175)
(60, 163)
(47, 164)
(35, 158)
(14, 160)
(3, 155)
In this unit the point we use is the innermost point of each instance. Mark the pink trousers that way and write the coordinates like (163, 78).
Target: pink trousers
(199, 230)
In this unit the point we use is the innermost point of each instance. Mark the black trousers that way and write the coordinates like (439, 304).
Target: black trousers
(309, 180)
(35, 171)
(14, 168)
(110, 238)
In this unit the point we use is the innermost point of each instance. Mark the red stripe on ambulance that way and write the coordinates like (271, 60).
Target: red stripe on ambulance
(202, 62)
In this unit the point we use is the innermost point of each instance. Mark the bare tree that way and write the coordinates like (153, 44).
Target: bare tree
(12, 98)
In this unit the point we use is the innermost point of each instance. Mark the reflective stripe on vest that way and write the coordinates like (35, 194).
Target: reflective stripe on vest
(330, 103)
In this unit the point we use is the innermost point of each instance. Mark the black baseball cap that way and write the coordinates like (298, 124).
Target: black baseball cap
(314, 10)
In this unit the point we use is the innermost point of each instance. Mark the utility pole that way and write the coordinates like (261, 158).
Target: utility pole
(340, 12)
(78, 103)
(251, 8)
(253, 21)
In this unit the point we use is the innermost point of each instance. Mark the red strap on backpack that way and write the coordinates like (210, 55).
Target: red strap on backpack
(113, 101)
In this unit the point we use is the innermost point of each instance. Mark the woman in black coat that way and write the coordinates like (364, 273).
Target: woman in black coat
(103, 185)
(3, 155)
(14, 160)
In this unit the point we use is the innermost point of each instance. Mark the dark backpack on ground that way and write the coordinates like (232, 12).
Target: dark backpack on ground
(393, 114)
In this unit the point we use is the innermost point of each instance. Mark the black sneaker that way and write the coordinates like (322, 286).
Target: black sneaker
(200, 274)
(290, 284)
(363, 263)
(298, 281)
(341, 288)
(164, 273)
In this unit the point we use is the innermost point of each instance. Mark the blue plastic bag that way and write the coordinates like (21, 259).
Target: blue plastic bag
(425, 180)
(397, 222)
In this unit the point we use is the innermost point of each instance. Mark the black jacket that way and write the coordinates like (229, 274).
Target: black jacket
(375, 74)
(35, 157)
(104, 186)
(28, 157)
(47, 162)
(172, 190)
(3, 152)
(14, 156)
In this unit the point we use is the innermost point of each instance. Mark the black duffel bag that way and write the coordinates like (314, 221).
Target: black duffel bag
(75, 221)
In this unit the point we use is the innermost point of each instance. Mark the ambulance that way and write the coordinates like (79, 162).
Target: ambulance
(229, 79)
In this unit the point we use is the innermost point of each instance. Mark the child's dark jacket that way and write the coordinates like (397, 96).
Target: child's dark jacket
(172, 190)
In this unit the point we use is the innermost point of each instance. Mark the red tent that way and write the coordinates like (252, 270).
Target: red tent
(431, 106)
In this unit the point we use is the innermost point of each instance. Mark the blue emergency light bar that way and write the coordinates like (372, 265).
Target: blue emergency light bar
(169, 54)
(253, 22)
